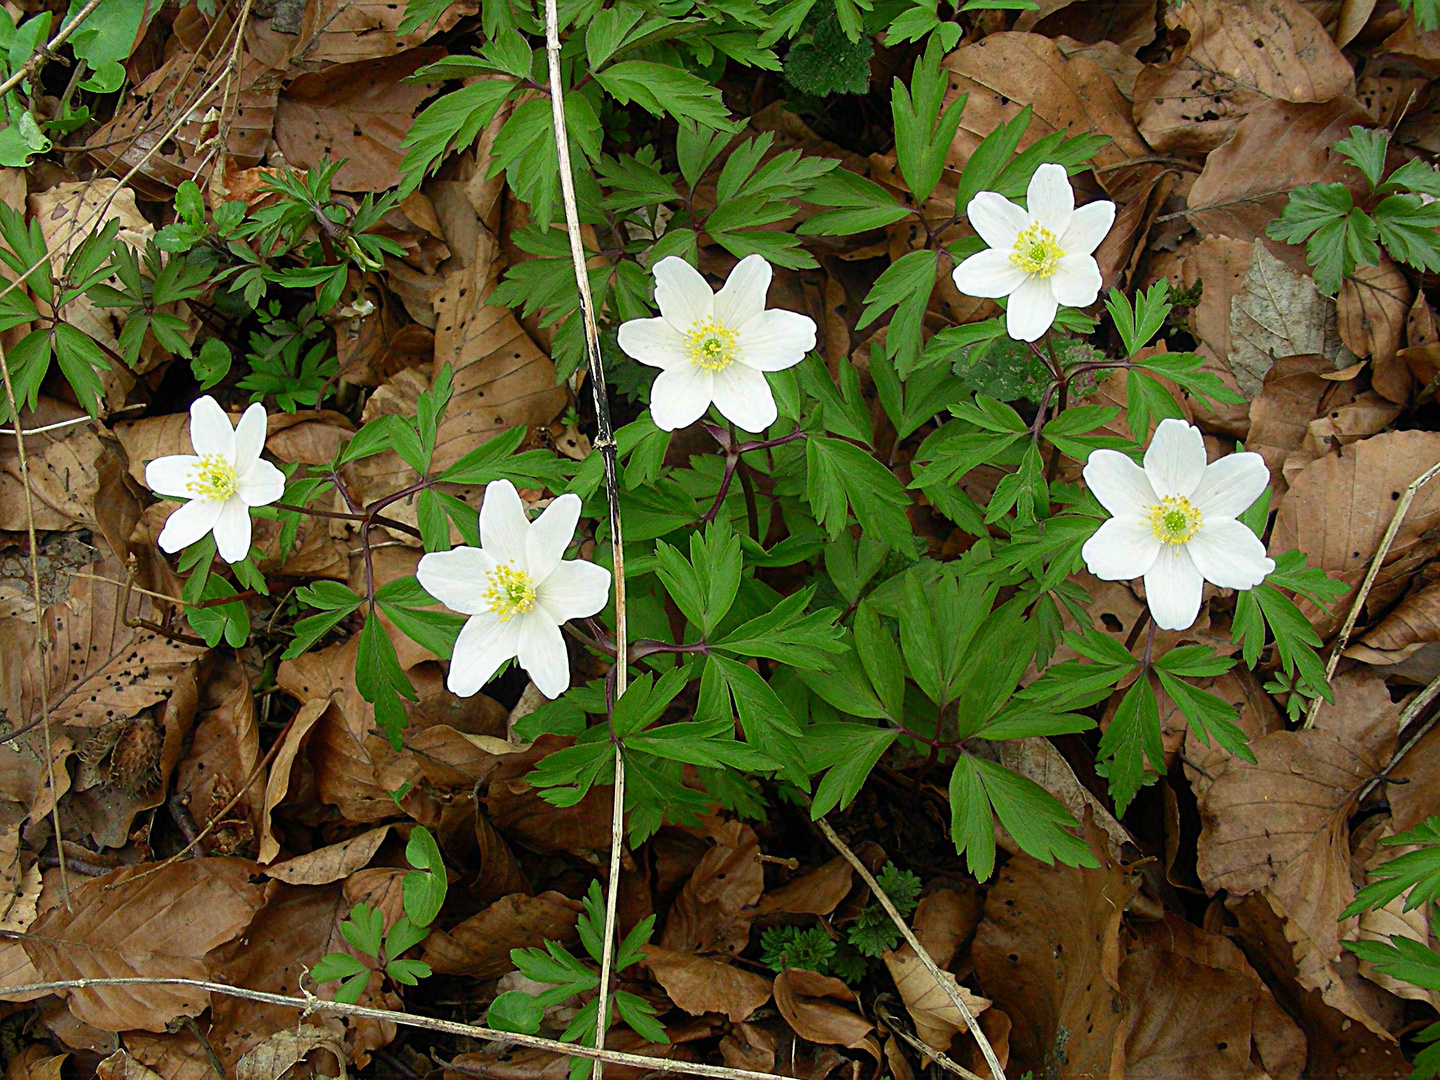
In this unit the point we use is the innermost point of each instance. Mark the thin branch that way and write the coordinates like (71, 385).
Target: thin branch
(1343, 638)
(605, 444)
(950, 986)
(312, 1004)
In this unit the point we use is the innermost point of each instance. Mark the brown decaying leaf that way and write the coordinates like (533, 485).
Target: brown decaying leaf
(1048, 953)
(1280, 825)
(480, 946)
(937, 1020)
(283, 1050)
(700, 985)
(121, 1066)
(222, 760)
(817, 892)
(714, 909)
(1292, 395)
(1372, 307)
(64, 471)
(162, 924)
(277, 785)
(331, 863)
(1196, 99)
(811, 1004)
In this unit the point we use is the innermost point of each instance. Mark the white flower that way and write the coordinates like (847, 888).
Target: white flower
(716, 347)
(516, 590)
(1174, 522)
(223, 479)
(1039, 257)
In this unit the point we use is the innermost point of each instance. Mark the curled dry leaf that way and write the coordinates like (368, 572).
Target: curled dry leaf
(811, 1004)
(1372, 307)
(331, 863)
(1048, 953)
(162, 924)
(817, 892)
(700, 985)
(1292, 395)
(1198, 97)
(714, 910)
(1280, 825)
(121, 1066)
(480, 946)
(283, 1050)
(937, 1020)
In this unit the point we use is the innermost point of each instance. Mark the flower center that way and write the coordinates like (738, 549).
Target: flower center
(1036, 251)
(1175, 519)
(511, 592)
(710, 345)
(214, 478)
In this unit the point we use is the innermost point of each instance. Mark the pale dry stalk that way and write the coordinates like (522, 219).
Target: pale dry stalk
(951, 988)
(605, 446)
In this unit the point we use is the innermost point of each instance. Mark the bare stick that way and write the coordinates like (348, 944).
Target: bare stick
(1343, 638)
(605, 444)
(312, 1004)
(950, 986)
(31, 67)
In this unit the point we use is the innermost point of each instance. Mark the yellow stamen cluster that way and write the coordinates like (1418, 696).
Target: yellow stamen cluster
(1036, 251)
(1175, 519)
(214, 478)
(511, 592)
(711, 345)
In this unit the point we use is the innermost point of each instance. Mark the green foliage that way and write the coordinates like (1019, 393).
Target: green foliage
(873, 931)
(829, 62)
(784, 947)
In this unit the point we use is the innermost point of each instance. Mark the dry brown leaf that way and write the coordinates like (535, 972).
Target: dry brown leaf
(714, 910)
(937, 1020)
(359, 112)
(1372, 308)
(1293, 394)
(331, 863)
(1037, 759)
(1279, 826)
(944, 919)
(1392, 921)
(1048, 954)
(222, 762)
(121, 1066)
(811, 1005)
(1339, 506)
(1196, 99)
(1247, 181)
(175, 1057)
(1407, 628)
(517, 810)
(36, 1062)
(277, 786)
(162, 924)
(1257, 717)
(699, 985)
(283, 1050)
(342, 32)
(64, 476)
(1128, 24)
(502, 378)
(1279, 313)
(818, 892)
(480, 946)
(1416, 790)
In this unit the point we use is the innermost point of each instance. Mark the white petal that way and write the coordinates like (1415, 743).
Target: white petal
(170, 475)
(1076, 281)
(680, 396)
(261, 484)
(1230, 485)
(775, 340)
(210, 430)
(1175, 461)
(503, 523)
(1088, 226)
(683, 295)
(457, 578)
(1050, 199)
(542, 652)
(249, 437)
(743, 295)
(997, 219)
(743, 397)
(575, 590)
(653, 341)
(1031, 310)
(1229, 554)
(550, 534)
(1121, 549)
(1122, 487)
(189, 523)
(483, 645)
(1172, 589)
(232, 530)
(988, 273)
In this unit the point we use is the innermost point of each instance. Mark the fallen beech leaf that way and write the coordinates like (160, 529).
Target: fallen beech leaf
(1372, 307)
(1292, 394)
(175, 1057)
(944, 919)
(1218, 75)
(162, 924)
(222, 759)
(480, 946)
(750, 1046)
(1037, 759)
(1276, 148)
(714, 910)
(522, 816)
(332, 863)
(1393, 921)
(1279, 313)
(1127, 24)
(1048, 953)
(121, 1066)
(699, 985)
(937, 1020)
(1416, 790)
(1258, 716)
(285, 1049)
(1279, 825)
(64, 477)
(277, 786)
(817, 892)
(811, 1005)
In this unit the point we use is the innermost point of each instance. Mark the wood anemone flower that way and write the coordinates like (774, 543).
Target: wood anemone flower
(517, 590)
(222, 480)
(1175, 522)
(714, 348)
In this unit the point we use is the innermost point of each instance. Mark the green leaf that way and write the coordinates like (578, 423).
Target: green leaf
(922, 132)
(841, 475)
(788, 634)
(407, 972)
(834, 62)
(847, 753)
(1365, 149)
(364, 928)
(1416, 872)
(515, 1010)
(1404, 958)
(664, 90)
(905, 285)
(704, 588)
(424, 887)
(861, 205)
(453, 120)
(1406, 227)
(1132, 738)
